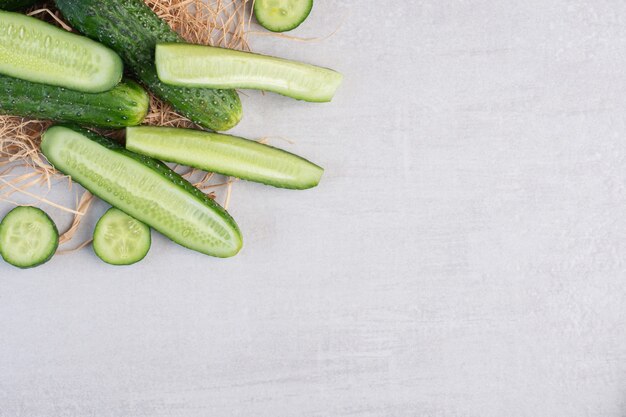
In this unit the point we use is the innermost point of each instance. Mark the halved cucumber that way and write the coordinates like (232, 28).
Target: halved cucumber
(225, 154)
(282, 15)
(143, 188)
(33, 50)
(120, 239)
(208, 66)
(28, 237)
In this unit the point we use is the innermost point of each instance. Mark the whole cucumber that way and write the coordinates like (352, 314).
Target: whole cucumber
(16, 4)
(132, 29)
(125, 105)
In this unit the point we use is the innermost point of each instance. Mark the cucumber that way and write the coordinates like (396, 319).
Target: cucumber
(33, 50)
(143, 188)
(208, 66)
(28, 237)
(282, 15)
(16, 4)
(132, 29)
(125, 105)
(120, 239)
(224, 154)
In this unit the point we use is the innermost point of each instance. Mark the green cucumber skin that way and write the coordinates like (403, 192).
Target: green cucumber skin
(132, 29)
(125, 105)
(53, 249)
(225, 154)
(13, 5)
(171, 177)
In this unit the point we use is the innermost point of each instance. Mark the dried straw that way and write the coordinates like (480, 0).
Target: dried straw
(22, 166)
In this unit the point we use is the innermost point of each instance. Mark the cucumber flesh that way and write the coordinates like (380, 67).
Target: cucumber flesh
(120, 239)
(16, 4)
(224, 154)
(132, 29)
(208, 66)
(33, 50)
(143, 188)
(28, 237)
(282, 15)
(125, 105)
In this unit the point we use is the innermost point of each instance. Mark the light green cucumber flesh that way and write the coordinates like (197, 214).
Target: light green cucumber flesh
(143, 188)
(120, 239)
(225, 154)
(207, 66)
(28, 237)
(33, 50)
(282, 15)
(125, 105)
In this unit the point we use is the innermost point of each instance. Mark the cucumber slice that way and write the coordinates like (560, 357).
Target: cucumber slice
(143, 188)
(225, 154)
(281, 15)
(28, 237)
(120, 239)
(208, 66)
(33, 50)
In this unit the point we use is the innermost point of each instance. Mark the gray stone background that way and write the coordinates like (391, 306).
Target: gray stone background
(464, 255)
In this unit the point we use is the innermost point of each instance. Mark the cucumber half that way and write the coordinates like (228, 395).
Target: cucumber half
(143, 188)
(33, 50)
(225, 154)
(28, 237)
(120, 239)
(282, 15)
(212, 67)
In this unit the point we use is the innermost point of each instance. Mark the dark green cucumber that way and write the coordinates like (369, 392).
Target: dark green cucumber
(225, 154)
(282, 15)
(16, 4)
(132, 29)
(119, 239)
(143, 188)
(33, 50)
(125, 105)
(28, 237)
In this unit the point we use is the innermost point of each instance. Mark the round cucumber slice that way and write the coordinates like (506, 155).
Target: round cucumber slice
(282, 15)
(28, 237)
(120, 239)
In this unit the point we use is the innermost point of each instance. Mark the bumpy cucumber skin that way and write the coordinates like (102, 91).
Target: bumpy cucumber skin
(125, 105)
(97, 233)
(132, 29)
(258, 14)
(53, 249)
(161, 169)
(16, 4)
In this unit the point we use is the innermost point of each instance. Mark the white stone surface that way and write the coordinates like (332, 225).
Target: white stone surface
(465, 255)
